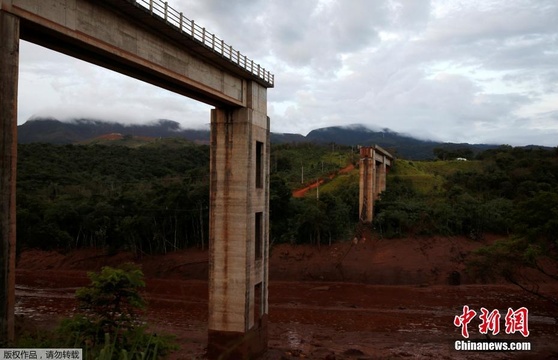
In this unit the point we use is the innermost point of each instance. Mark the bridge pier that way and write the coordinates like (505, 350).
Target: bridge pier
(239, 208)
(374, 162)
(9, 62)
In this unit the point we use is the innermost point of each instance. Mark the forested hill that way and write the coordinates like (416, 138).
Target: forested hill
(43, 130)
(53, 131)
(401, 145)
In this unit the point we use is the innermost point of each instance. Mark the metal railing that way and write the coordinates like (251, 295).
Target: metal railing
(189, 28)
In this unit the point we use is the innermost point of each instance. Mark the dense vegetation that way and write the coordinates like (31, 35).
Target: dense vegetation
(326, 214)
(505, 190)
(154, 198)
(149, 199)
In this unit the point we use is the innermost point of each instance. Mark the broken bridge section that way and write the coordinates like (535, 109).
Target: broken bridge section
(150, 41)
(374, 164)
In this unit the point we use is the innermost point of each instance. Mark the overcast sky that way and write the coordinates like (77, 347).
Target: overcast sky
(476, 71)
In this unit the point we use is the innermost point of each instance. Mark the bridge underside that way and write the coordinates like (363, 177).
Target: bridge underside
(116, 34)
(117, 38)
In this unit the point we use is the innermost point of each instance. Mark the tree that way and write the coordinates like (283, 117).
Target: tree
(112, 301)
(108, 326)
(537, 218)
(452, 154)
(279, 207)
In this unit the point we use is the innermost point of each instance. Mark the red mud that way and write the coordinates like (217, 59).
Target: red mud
(382, 299)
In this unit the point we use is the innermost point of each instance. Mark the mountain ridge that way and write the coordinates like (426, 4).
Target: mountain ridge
(83, 131)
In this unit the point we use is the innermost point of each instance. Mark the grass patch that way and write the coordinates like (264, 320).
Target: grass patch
(449, 167)
(424, 182)
(429, 177)
(340, 182)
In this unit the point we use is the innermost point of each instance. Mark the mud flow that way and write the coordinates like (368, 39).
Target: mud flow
(317, 316)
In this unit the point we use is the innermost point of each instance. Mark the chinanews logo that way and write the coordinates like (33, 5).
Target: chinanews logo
(515, 321)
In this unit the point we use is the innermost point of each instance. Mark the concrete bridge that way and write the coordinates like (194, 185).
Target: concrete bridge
(150, 41)
(374, 164)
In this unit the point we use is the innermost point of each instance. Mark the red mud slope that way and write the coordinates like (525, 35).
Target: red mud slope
(408, 261)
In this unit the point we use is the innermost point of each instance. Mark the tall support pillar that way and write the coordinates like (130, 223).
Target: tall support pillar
(376, 188)
(239, 223)
(374, 162)
(382, 173)
(367, 184)
(9, 60)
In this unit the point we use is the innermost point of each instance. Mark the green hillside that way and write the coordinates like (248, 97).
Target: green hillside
(155, 198)
(508, 191)
(428, 177)
(305, 163)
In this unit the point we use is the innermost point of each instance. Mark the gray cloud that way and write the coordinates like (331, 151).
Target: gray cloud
(450, 70)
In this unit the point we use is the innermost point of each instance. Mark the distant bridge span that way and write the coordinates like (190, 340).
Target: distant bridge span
(374, 164)
(150, 41)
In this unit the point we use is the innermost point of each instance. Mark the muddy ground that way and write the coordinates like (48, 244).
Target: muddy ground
(381, 299)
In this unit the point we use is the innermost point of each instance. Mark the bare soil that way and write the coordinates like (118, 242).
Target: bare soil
(377, 299)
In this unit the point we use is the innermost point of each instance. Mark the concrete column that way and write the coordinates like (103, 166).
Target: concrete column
(366, 184)
(9, 61)
(361, 186)
(382, 176)
(372, 180)
(377, 179)
(239, 222)
(373, 171)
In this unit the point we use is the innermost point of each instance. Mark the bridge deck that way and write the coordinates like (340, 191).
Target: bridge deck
(158, 15)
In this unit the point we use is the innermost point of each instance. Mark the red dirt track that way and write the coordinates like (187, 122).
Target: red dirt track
(302, 191)
(313, 314)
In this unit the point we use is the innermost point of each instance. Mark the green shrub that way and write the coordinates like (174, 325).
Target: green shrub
(112, 300)
(109, 324)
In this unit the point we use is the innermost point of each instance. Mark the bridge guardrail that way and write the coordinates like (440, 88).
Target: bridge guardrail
(188, 27)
